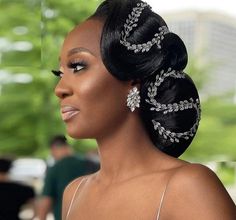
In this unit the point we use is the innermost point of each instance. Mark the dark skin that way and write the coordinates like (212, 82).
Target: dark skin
(134, 173)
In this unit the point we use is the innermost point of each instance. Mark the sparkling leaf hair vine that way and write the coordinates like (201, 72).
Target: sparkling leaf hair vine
(172, 107)
(132, 22)
(133, 100)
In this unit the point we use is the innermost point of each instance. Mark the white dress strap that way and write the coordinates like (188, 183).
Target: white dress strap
(163, 195)
(73, 197)
(162, 198)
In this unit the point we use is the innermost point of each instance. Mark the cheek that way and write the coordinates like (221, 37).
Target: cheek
(100, 88)
(102, 101)
(102, 96)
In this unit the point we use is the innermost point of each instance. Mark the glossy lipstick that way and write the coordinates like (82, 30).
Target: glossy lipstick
(68, 112)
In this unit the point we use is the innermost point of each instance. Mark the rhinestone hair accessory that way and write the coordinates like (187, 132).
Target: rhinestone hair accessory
(172, 107)
(133, 99)
(131, 22)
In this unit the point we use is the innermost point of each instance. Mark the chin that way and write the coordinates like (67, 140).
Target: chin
(78, 134)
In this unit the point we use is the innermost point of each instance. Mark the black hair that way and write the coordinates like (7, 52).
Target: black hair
(58, 141)
(5, 165)
(126, 65)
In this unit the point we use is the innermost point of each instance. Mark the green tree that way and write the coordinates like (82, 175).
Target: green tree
(31, 35)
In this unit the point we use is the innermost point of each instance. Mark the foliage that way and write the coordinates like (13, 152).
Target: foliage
(29, 110)
(20, 30)
(226, 172)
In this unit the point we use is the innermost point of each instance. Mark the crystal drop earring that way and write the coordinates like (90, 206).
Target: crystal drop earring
(133, 99)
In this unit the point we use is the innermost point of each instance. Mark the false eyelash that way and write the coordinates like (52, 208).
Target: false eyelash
(57, 72)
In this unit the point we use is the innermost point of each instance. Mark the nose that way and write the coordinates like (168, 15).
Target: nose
(62, 90)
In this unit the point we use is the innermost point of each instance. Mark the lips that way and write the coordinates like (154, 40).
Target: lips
(68, 112)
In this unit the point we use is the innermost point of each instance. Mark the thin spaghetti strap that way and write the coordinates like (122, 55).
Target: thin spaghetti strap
(162, 198)
(163, 194)
(73, 197)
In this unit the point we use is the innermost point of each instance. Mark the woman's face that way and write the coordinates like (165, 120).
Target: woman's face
(93, 102)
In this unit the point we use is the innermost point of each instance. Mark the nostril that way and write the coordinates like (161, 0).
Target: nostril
(62, 91)
(64, 95)
(61, 94)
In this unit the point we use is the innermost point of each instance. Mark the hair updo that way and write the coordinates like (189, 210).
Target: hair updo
(126, 65)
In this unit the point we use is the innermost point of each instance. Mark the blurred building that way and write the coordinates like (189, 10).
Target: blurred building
(211, 37)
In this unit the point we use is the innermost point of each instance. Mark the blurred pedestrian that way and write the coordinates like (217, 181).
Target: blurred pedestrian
(13, 195)
(67, 167)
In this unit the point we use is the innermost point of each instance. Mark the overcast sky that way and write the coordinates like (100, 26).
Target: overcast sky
(225, 6)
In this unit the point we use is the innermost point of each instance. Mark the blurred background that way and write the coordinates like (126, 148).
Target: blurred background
(31, 34)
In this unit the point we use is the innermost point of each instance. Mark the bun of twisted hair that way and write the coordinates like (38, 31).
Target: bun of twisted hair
(126, 65)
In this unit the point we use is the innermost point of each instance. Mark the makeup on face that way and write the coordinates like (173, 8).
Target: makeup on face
(68, 112)
(75, 64)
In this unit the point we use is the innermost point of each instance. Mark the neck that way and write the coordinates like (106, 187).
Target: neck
(126, 153)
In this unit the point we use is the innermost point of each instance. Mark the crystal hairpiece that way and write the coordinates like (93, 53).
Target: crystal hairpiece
(131, 22)
(171, 107)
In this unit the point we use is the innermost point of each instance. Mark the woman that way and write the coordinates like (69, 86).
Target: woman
(122, 83)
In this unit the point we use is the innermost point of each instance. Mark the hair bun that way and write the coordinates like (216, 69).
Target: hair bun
(174, 51)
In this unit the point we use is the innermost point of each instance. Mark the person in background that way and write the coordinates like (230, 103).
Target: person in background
(67, 167)
(13, 196)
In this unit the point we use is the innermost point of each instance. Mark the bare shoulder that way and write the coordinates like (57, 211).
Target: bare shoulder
(195, 192)
(192, 172)
(71, 187)
(69, 193)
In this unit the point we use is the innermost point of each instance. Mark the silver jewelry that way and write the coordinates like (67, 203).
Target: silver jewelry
(133, 99)
(175, 107)
(172, 107)
(131, 22)
(152, 89)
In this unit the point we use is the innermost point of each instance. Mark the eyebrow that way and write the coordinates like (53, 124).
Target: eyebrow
(78, 50)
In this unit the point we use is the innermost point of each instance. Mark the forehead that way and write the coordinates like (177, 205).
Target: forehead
(86, 35)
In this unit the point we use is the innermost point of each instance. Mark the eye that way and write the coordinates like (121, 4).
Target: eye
(77, 66)
(57, 73)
